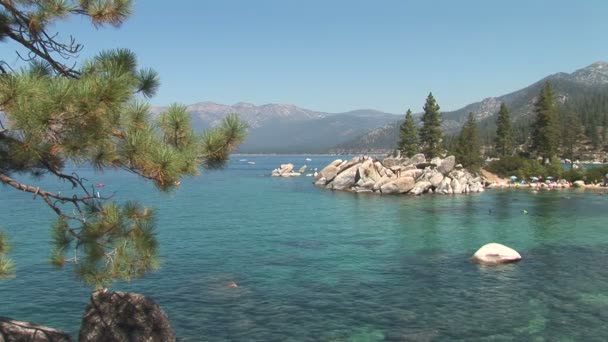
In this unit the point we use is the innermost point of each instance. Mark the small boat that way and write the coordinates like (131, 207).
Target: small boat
(252, 163)
(308, 159)
(309, 175)
(242, 160)
(99, 185)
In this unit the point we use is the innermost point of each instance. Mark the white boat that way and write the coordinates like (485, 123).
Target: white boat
(308, 159)
(309, 175)
(242, 160)
(252, 163)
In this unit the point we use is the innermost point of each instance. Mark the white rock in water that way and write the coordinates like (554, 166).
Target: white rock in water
(495, 253)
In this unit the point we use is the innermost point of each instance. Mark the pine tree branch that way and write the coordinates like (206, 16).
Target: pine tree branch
(39, 192)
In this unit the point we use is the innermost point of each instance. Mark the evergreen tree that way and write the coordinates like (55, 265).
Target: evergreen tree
(545, 135)
(408, 136)
(468, 146)
(571, 134)
(504, 132)
(430, 134)
(56, 115)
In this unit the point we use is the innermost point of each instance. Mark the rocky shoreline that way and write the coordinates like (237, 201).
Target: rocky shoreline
(399, 175)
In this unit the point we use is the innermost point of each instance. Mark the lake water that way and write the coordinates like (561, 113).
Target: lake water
(317, 265)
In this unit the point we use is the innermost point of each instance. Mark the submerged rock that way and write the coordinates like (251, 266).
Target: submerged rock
(12, 330)
(123, 316)
(495, 253)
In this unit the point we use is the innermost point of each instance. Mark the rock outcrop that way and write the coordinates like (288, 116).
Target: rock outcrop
(123, 316)
(495, 253)
(286, 170)
(11, 330)
(399, 175)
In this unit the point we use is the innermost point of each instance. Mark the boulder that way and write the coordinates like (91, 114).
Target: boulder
(447, 165)
(302, 169)
(368, 172)
(444, 187)
(399, 185)
(436, 178)
(123, 316)
(286, 167)
(421, 187)
(456, 187)
(405, 161)
(495, 253)
(414, 173)
(12, 330)
(476, 187)
(390, 162)
(383, 180)
(417, 159)
(344, 179)
(436, 161)
(286, 170)
(329, 172)
(290, 174)
(578, 184)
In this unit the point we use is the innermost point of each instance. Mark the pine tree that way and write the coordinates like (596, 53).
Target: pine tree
(545, 135)
(468, 146)
(408, 134)
(93, 114)
(430, 134)
(504, 132)
(571, 134)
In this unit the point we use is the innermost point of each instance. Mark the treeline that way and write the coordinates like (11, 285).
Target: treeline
(559, 128)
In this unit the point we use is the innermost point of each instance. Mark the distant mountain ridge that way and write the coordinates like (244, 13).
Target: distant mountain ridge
(286, 128)
(572, 87)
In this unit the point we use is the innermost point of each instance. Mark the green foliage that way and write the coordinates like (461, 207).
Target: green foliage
(522, 168)
(572, 175)
(572, 134)
(545, 135)
(504, 132)
(596, 174)
(408, 136)
(7, 267)
(94, 115)
(468, 146)
(430, 134)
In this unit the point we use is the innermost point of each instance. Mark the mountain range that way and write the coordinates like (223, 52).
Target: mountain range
(286, 128)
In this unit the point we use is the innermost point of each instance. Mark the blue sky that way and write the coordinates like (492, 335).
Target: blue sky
(334, 55)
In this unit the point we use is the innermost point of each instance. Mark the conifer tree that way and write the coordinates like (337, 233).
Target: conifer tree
(430, 134)
(408, 135)
(545, 135)
(468, 146)
(57, 114)
(504, 132)
(572, 134)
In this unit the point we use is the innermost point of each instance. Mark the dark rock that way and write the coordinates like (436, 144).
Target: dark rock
(17, 331)
(424, 165)
(123, 316)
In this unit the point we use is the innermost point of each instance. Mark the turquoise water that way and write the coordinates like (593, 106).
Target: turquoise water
(316, 265)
